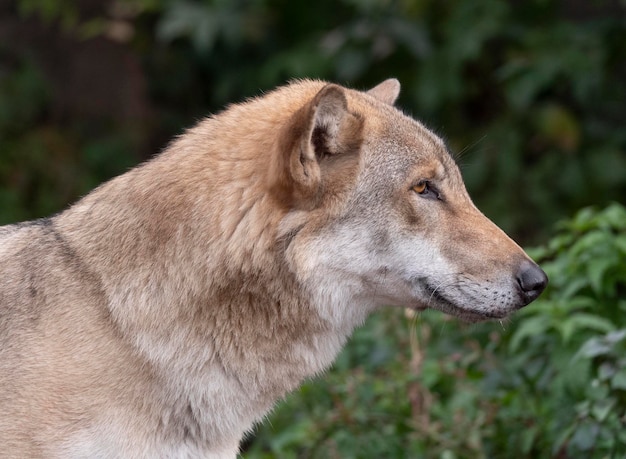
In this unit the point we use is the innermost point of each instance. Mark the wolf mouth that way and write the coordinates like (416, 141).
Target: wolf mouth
(442, 303)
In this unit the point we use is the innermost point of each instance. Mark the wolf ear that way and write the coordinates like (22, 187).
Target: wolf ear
(329, 111)
(387, 91)
(322, 132)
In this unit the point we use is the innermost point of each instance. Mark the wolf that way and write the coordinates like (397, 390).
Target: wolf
(167, 311)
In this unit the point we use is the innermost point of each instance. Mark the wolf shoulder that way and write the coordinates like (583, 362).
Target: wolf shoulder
(20, 242)
(31, 256)
(22, 230)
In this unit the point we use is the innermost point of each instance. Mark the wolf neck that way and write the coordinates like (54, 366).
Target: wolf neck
(195, 278)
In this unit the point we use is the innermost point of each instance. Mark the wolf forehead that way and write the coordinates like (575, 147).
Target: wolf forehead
(406, 153)
(399, 141)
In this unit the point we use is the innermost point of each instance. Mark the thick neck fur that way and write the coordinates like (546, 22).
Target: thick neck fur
(193, 268)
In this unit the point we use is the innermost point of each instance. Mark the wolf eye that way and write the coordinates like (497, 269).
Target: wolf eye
(426, 190)
(420, 187)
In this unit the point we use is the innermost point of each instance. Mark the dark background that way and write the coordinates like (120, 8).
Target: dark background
(531, 94)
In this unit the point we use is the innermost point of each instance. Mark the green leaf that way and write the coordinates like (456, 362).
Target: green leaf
(620, 243)
(590, 241)
(529, 327)
(529, 437)
(582, 321)
(562, 439)
(601, 409)
(602, 345)
(581, 302)
(615, 215)
(573, 287)
(560, 242)
(619, 380)
(584, 437)
(583, 219)
(538, 253)
(606, 371)
(448, 454)
(596, 270)
(594, 348)
(615, 336)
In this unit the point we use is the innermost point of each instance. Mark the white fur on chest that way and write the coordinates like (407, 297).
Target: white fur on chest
(217, 403)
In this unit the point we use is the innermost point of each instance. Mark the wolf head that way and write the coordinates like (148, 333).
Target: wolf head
(379, 214)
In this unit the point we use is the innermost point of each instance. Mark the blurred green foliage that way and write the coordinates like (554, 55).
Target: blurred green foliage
(530, 95)
(550, 384)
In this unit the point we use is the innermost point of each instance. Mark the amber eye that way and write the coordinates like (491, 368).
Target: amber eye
(420, 188)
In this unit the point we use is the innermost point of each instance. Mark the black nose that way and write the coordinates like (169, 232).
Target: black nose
(532, 280)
